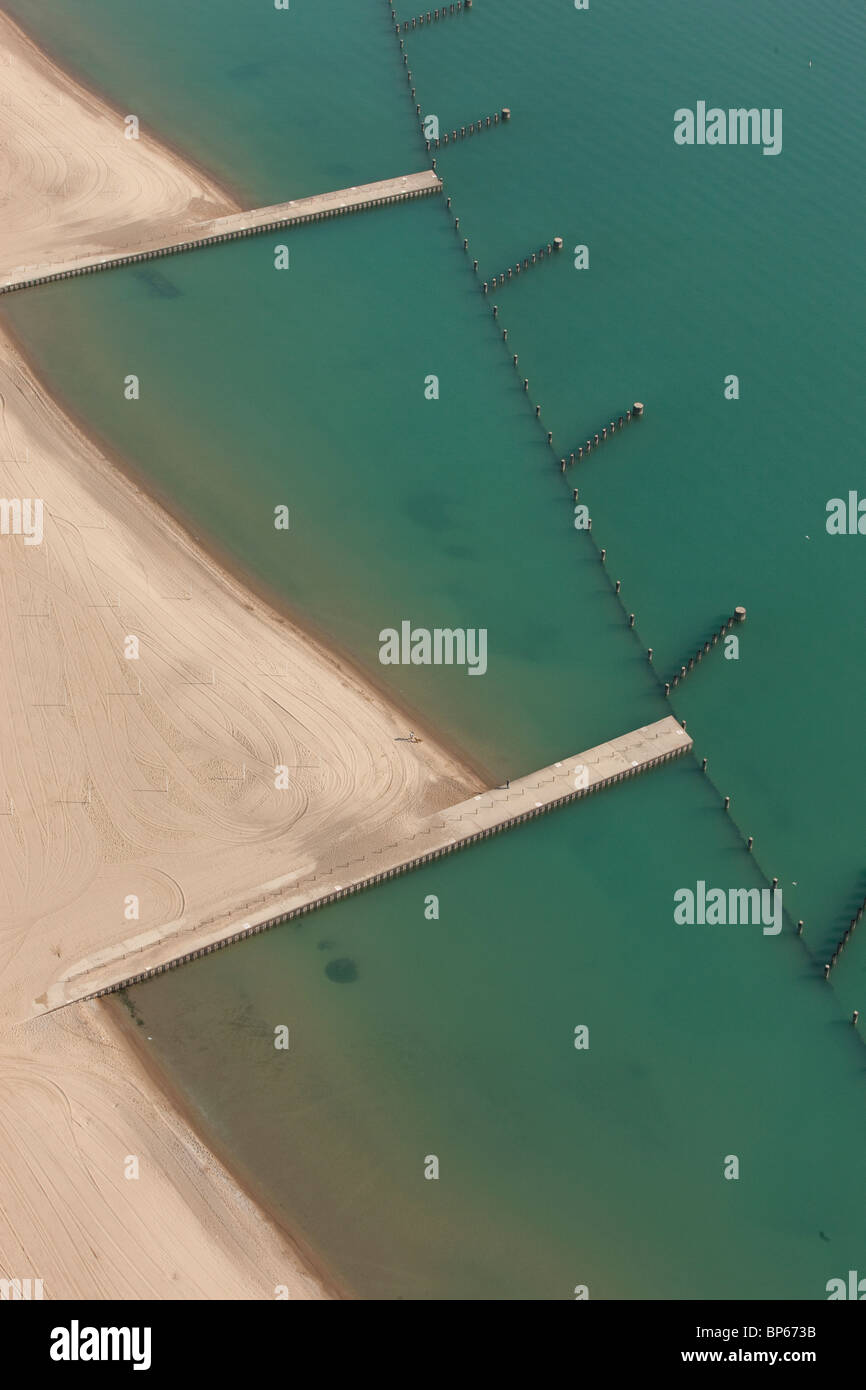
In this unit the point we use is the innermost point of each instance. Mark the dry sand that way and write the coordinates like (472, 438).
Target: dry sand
(71, 183)
(163, 791)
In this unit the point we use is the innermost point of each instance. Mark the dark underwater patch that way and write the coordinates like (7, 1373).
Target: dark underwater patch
(342, 971)
(158, 284)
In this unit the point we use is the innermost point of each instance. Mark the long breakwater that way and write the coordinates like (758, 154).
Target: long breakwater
(478, 818)
(241, 224)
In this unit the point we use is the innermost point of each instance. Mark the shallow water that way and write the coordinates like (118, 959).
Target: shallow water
(557, 1167)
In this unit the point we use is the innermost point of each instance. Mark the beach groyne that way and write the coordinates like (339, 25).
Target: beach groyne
(593, 441)
(690, 662)
(842, 943)
(432, 16)
(534, 258)
(486, 814)
(461, 132)
(232, 227)
(615, 425)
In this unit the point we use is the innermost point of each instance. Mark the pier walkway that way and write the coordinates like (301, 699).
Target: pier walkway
(152, 952)
(235, 225)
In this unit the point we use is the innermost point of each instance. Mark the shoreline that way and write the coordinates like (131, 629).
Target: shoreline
(143, 512)
(80, 187)
(120, 1019)
(189, 853)
(68, 72)
(273, 605)
(233, 570)
(140, 504)
(215, 231)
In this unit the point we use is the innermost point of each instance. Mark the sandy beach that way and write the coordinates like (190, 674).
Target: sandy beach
(72, 183)
(141, 784)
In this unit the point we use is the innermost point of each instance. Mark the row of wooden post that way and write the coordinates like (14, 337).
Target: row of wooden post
(843, 942)
(432, 15)
(738, 616)
(483, 123)
(526, 264)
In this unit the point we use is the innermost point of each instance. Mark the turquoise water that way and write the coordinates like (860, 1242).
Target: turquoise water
(306, 387)
(558, 1167)
(703, 262)
(444, 512)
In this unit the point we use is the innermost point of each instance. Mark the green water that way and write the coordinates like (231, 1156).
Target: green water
(305, 387)
(703, 262)
(558, 1167)
(261, 388)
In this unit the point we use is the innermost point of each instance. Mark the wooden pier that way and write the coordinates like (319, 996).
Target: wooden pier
(236, 225)
(152, 952)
